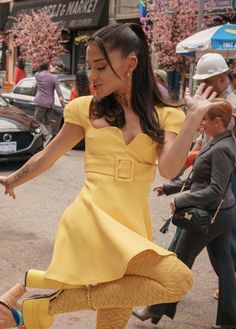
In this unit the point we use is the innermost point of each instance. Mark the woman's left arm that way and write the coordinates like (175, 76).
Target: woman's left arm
(173, 153)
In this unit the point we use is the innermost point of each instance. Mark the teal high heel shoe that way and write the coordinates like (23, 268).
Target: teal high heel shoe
(6, 319)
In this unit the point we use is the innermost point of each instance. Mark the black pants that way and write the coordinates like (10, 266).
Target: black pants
(217, 242)
(232, 237)
(44, 115)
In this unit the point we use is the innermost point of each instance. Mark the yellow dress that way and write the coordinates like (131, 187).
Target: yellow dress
(109, 221)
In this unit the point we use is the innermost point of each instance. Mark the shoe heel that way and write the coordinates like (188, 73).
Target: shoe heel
(35, 311)
(155, 320)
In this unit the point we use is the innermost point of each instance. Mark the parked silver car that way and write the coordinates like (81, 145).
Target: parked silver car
(23, 95)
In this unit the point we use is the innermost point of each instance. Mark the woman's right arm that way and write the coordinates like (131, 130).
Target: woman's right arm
(69, 135)
(168, 163)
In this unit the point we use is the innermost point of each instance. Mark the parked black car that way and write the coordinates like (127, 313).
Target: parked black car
(20, 136)
(23, 95)
(24, 92)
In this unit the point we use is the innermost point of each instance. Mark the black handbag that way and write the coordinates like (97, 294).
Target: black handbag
(194, 219)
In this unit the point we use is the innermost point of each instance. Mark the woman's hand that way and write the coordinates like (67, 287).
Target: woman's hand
(8, 190)
(159, 189)
(172, 206)
(200, 101)
(174, 151)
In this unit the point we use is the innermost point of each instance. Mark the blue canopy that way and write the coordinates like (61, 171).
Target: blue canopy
(218, 39)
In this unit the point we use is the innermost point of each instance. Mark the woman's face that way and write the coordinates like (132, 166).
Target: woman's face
(210, 126)
(102, 77)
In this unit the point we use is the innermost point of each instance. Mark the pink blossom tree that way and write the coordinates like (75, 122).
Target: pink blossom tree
(38, 37)
(169, 22)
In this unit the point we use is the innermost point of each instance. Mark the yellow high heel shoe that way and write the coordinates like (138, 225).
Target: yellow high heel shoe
(35, 308)
(36, 311)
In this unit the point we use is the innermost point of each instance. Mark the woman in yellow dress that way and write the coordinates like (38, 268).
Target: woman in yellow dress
(103, 257)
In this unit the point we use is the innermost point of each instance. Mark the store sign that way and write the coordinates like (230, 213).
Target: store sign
(223, 3)
(4, 12)
(215, 5)
(71, 14)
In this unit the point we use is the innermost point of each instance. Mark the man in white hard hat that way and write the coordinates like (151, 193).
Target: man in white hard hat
(213, 70)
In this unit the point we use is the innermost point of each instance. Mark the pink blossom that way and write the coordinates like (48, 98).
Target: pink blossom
(166, 26)
(38, 37)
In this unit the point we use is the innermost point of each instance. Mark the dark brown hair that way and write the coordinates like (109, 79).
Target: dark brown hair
(82, 83)
(20, 63)
(145, 94)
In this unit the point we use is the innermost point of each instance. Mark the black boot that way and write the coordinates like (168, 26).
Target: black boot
(144, 314)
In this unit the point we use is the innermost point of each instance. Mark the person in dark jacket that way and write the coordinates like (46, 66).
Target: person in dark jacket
(210, 182)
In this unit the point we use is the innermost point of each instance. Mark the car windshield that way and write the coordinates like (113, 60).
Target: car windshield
(3, 103)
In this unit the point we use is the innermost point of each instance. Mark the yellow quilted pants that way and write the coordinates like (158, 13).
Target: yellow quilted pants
(148, 280)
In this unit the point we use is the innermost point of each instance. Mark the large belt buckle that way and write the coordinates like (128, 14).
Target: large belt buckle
(124, 169)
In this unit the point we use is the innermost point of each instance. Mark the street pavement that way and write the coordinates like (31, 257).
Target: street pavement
(27, 229)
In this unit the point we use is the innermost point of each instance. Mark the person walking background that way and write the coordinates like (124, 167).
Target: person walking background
(212, 70)
(47, 83)
(82, 85)
(19, 71)
(82, 88)
(127, 126)
(210, 182)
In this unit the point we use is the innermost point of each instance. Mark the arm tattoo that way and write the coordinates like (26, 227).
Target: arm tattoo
(22, 172)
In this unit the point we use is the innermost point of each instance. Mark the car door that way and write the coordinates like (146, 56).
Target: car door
(23, 95)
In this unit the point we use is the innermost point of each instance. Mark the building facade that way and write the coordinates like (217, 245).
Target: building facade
(79, 18)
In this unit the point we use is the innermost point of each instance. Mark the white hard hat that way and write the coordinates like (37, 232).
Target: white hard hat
(209, 65)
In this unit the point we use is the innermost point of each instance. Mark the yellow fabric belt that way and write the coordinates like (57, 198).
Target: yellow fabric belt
(121, 168)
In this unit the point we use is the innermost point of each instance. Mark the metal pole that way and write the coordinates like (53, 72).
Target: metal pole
(199, 28)
(200, 14)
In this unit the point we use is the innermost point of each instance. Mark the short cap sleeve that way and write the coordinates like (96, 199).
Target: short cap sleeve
(170, 118)
(77, 111)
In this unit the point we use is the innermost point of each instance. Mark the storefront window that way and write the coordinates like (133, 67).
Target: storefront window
(2, 56)
(80, 42)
